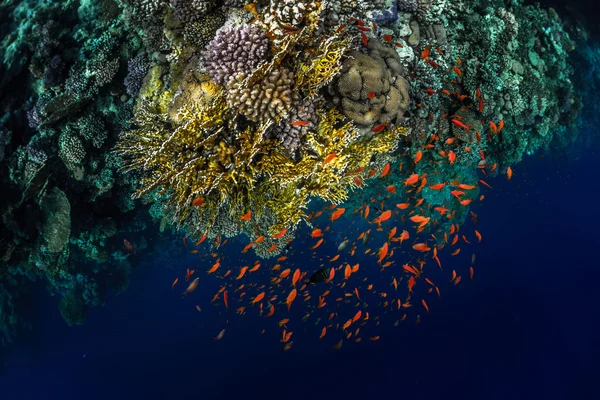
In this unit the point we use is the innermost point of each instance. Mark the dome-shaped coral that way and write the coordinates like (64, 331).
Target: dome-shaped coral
(371, 89)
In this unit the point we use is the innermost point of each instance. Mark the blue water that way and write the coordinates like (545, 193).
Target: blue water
(525, 328)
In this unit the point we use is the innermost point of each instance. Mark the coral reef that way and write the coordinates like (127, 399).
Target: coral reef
(123, 119)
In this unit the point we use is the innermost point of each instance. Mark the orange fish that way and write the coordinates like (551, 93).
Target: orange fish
(247, 216)
(214, 267)
(383, 217)
(248, 246)
(337, 213)
(290, 298)
(316, 233)
(391, 189)
(347, 271)
(174, 283)
(255, 268)
(411, 283)
(414, 178)
(403, 206)
(478, 236)
(258, 298)
(451, 157)
(242, 272)
(418, 156)
(299, 123)
(425, 305)
(280, 234)
(379, 128)
(509, 173)
(421, 247)
(439, 186)
(471, 272)
(296, 276)
(385, 170)
(259, 239)
(318, 244)
(323, 332)
(329, 158)
(198, 201)
(285, 273)
(357, 316)
(383, 252)
(272, 248)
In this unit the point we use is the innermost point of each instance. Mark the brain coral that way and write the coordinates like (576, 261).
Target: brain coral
(378, 73)
(233, 51)
(271, 98)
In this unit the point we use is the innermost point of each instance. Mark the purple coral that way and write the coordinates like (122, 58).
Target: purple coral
(291, 135)
(137, 69)
(233, 51)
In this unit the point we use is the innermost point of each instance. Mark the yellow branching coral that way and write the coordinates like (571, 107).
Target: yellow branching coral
(319, 70)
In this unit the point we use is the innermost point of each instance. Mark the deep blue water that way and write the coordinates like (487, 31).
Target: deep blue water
(525, 328)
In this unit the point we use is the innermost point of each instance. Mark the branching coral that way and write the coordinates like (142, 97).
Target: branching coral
(233, 51)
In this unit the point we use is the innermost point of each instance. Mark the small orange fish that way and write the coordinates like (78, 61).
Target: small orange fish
(414, 178)
(383, 217)
(290, 298)
(299, 123)
(323, 332)
(329, 158)
(247, 216)
(421, 247)
(418, 156)
(198, 201)
(296, 276)
(371, 95)
(385, 170)
(242, 272)
(174, 283)
(258, 298)
(379, 128)
(509, 173)
(451, 157)
(425, 305)
(439, 186)
(390, 189)
(318, 244)
(337, 213)
(280, 234)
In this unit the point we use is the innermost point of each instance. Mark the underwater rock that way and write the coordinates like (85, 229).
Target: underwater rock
(56, 224)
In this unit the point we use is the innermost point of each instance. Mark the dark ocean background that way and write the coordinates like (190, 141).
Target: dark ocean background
(527, 326)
